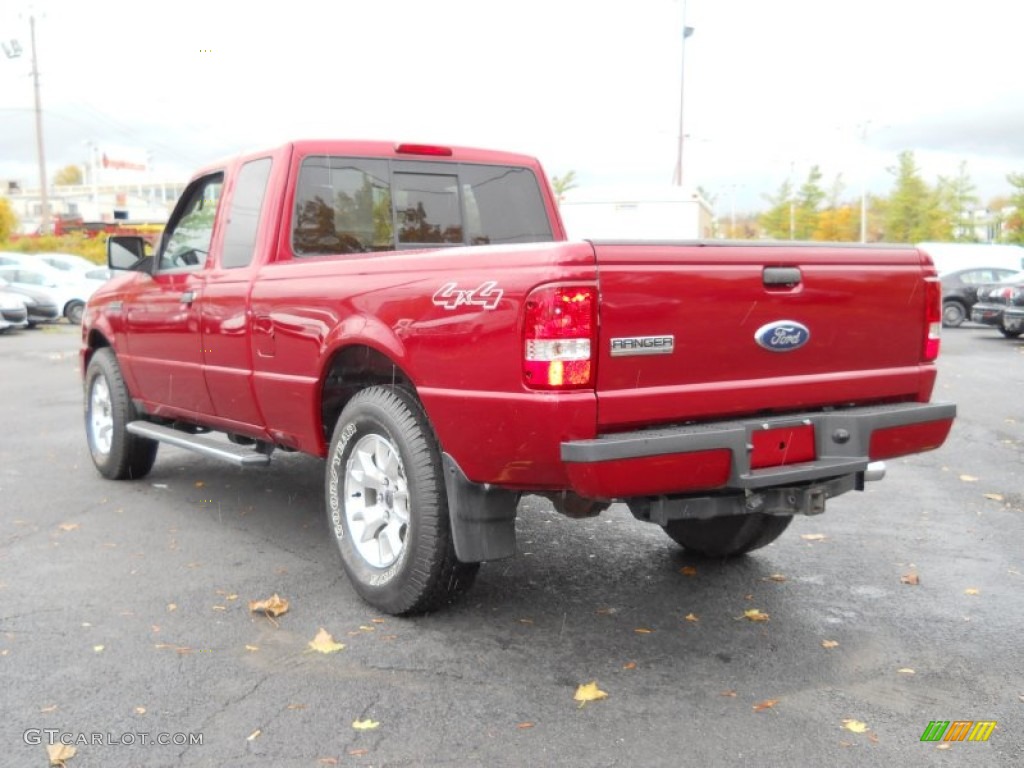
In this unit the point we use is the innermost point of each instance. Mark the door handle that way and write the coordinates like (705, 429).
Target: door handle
(187, 298)
(787, 277)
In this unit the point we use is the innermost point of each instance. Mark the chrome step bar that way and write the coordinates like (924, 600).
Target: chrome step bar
(237, 455)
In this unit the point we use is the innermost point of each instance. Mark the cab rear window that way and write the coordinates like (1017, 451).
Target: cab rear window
(359, 205)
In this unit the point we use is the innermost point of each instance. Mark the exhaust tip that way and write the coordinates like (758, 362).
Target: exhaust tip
(875, 471)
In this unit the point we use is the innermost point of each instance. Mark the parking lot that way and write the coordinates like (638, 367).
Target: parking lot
(124, 613)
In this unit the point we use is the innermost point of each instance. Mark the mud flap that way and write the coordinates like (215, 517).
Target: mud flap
(483, 517)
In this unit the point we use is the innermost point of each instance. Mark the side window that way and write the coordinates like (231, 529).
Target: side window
(342, 205)
(427, 207)
(188, 237)
(244, 214)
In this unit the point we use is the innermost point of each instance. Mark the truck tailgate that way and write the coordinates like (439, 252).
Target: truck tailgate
(695, 331)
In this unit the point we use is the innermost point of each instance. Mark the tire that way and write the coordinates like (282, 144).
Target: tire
(728, 536)
(74, 311)
(117, 454)
(953, 314)
(1010, 334)
(384, 459)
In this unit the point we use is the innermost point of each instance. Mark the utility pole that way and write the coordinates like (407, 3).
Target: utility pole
(677, 178)
(44, 224)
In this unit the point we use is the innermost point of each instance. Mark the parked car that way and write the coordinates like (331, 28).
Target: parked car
(40, 305)
(993, 299)
(69, 293)
(1013, 321)
(960, 291)
(13, 312)
(65, 262)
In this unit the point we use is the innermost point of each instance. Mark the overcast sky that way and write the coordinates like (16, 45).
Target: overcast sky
(771, 87)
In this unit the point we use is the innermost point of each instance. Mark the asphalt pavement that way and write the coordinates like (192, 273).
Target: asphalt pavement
(124, 614)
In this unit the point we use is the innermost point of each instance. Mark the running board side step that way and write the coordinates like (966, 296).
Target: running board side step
(237, 455)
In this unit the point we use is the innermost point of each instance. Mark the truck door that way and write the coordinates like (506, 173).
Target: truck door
(226, 321)
(164, 339)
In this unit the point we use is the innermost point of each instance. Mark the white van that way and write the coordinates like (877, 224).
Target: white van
(952, 256)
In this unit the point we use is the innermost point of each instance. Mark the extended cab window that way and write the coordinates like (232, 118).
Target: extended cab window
(188, 236)
(244, 213)
(349, 205)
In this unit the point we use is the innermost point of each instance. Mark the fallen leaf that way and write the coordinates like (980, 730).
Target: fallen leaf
(171, 607)
(379, 621)
(140, 710)
(761, 706)
(972, 591)
(605, 611)
(589, 692)
(754, 615)
(855, 726)
(692, 617)
(47, 710)
(813, 537)
(774, 577)
(730, 693)
(219, 608)
(643, 631)
(968, 478)
(324, 643)
(200, 483)
(334, 760)
(366, 628)
(365, 725)
(843, 743)
(273, 606)
(910, 578)
(526, 621)
(993, 496)
(873, 738)
(688, 570)
(69, 526)
(354, 753)
(524, 726)
(946, 745)
(296, 706)
(629, 665)
(829, 643)
(98, 648)
(231, 597)
(252, 648)
(58, 753)
(254, 735)
(906, 671)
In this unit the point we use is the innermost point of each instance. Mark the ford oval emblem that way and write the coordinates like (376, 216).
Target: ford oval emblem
(782, 336)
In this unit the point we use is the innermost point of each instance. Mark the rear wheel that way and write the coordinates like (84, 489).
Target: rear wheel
(953, 314)
(387, 507)
(728, 536)
(116, 452)
(1010, 334)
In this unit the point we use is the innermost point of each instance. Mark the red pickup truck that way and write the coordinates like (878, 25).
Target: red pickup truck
(414, 315)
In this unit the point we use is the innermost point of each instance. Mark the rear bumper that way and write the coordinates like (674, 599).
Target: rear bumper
(988, 314)
(1013, 319)
(683, 460)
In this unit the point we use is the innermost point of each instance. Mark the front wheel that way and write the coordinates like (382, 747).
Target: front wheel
(74, 311)
(387, 507)
(116, 452)
(728, 536)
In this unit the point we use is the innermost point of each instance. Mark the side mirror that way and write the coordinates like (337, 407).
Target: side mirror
(125, 251)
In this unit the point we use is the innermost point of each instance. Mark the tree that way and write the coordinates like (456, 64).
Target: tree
(562, 184)
(913, 211)
(68, 175)
(775, 221)
(8, 221)
(809, 199)
(1013, 225)
(958, 200)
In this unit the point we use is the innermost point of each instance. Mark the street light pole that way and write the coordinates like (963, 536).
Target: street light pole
(677, 178)
(44, 224)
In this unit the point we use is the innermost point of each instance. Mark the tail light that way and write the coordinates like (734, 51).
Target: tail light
(1009, 294)
(560, 337)
(932, 318)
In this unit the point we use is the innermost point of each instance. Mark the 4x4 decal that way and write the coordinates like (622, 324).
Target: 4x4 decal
(486, 295)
